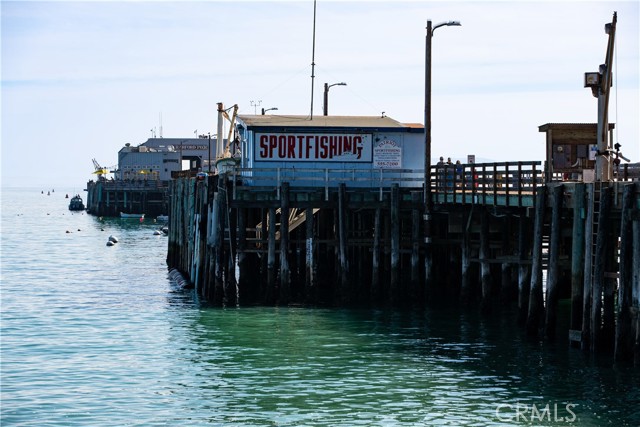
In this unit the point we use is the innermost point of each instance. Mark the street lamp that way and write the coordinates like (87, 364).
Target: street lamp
(427, 112)
(326, 95)
(268, 109)
(428, 200)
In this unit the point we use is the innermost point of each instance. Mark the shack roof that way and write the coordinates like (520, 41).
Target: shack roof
(571, 126)
(292, 123)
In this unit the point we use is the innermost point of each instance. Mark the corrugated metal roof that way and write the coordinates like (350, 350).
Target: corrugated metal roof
(373, 122)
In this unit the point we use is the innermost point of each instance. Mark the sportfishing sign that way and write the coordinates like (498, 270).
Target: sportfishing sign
(313, 147)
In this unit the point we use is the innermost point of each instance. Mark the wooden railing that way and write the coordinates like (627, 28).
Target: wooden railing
(505, 183)
(376, 179)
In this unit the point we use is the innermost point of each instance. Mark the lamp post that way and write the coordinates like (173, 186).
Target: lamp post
(428, 200)
(268, 109)
(326, 95)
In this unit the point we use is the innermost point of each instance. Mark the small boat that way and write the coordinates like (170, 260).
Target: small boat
(76, 203)
(131, 215)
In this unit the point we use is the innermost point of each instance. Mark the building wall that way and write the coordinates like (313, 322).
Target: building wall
(156, 158)
(360, 154)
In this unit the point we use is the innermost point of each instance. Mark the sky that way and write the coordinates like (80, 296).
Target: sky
(81, 79)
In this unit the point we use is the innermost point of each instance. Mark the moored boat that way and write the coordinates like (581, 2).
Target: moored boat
(131, 215)
(76, 203)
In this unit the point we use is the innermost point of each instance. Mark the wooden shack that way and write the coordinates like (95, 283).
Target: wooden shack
(571, 150)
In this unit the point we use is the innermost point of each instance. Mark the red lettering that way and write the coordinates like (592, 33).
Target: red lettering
(323, 147)
(307, 146)
(333, 148)
(273, 143)
(291, 147)
(347, 144)
(357, 146)
(300, 150)
(282, 146)
(264, 148)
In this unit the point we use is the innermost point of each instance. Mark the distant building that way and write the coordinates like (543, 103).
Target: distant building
(156, 158)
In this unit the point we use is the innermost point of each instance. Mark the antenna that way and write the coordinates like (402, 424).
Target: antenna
(160, 124)
(255, 105)
(313, 56)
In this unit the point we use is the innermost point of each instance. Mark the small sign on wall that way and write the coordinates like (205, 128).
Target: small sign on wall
(387, 154)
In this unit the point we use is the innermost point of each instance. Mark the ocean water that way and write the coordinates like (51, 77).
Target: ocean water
(99, 336)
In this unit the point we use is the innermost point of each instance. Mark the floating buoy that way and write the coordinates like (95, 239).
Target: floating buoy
(157, 232)
(68, 232)
(113, 239)
(110, 243)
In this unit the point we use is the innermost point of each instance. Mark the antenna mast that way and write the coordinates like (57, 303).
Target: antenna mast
(313, 55)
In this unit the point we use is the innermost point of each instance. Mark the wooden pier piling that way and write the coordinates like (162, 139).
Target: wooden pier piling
(554, 256)
(344, 244)
(535, 292)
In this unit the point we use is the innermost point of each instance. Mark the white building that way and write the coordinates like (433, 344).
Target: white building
(156, 158)
(360, 149)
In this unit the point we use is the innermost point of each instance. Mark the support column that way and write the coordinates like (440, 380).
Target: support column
(624, 328)
(415, 246)
(310, 277)
(588, 268)
(285, 273)
(485, 268)
(375, 273)
(394, 289)
(554, 255)
(599, 268)
(577, 257)
(345, 286)
(271, 258)
(465, 282)
(535, 293)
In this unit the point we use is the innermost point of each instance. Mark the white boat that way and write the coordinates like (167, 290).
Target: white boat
(131, 215)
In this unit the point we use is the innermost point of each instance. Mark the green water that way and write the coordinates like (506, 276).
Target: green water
(98, 336)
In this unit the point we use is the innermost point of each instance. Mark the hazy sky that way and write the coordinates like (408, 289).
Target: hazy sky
(81, 79)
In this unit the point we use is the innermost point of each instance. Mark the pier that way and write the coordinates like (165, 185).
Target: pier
(502, 234)
(110, 197)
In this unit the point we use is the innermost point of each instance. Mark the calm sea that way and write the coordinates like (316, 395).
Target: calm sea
(99, 336)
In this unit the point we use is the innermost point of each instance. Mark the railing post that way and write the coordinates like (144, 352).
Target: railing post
(278, 184)
(484, 184)
(520, 183)
(326, 184)
(495, 183)
(507, 180)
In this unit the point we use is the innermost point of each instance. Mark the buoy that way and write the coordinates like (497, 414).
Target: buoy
(110, 243)
(68, 232)
(113, 239)
(157, 232)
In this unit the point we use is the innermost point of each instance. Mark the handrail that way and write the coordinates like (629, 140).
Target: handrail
(450, 183)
